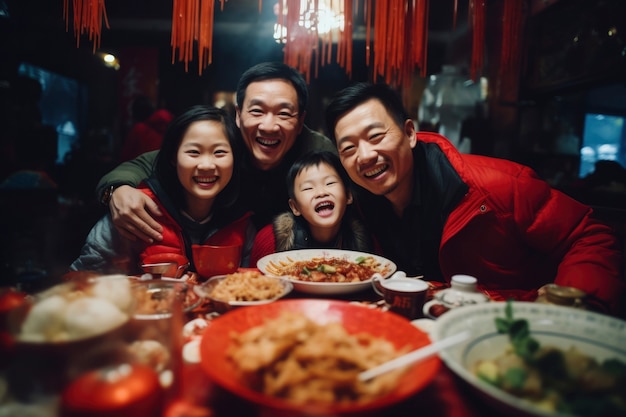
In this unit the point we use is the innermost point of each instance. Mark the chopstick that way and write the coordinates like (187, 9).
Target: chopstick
(414, 356)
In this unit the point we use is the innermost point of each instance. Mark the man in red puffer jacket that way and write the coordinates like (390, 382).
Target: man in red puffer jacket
(437, 212)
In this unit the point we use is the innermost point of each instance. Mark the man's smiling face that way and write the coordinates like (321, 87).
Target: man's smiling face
(270, 121)
(375, 151)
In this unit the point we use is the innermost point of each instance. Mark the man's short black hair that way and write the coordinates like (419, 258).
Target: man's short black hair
(357, 94)
(270, 71)
(315, 158)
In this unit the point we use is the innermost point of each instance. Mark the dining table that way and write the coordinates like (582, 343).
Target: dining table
(446, 395)
(196, 395)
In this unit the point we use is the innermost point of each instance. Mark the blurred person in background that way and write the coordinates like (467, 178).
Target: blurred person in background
(147, 132)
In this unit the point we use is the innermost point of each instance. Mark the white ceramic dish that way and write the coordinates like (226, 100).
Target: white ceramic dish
(266, 263)
(463, 291)
(596, 335)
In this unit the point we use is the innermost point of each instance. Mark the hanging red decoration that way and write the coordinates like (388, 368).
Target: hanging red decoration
(396, 33)
(512, 27)
(477, 16)
(400, 41)
(301, 43)
(344, 45)
(192, 21)
(454, 14)
(87, 16)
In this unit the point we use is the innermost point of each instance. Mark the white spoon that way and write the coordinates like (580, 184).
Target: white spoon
(414, 356)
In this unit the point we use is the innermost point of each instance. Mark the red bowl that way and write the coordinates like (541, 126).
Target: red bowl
(178, 264)
(211, 260)
(216, 341)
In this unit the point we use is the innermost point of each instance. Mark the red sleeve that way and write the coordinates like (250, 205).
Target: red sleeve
(264, 244)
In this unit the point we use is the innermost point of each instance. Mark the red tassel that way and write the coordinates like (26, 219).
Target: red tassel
(87, 16)
(192, 20)
(477, 12)
(512, 27)
(400, 39)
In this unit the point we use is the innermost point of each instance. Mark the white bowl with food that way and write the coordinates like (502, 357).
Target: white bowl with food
(64, 328)
(241, 289)
(327, 271)
(538, 359)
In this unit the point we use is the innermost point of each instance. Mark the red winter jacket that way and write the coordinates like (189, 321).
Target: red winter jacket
(513, 231)
(173, 236)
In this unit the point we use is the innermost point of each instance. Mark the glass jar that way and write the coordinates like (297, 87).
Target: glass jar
(561, 295)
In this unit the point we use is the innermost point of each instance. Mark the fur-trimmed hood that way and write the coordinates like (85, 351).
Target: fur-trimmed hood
(291, 233)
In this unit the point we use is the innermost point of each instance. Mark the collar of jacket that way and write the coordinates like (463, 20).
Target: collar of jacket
(291, 232)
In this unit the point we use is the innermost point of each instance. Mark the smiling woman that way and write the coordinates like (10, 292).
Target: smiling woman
(194, 185)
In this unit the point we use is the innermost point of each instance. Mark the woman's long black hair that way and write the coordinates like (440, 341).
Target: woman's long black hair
(165, 164)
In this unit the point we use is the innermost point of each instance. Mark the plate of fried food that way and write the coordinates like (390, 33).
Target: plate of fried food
(302, 357)
(326, 271)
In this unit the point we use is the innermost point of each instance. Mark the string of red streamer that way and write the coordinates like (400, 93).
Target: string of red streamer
(512, 26)
(87, 16)
(400, 39)
(396, 34)
(477, 15)
(192, 21)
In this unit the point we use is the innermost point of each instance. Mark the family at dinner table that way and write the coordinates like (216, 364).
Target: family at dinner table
(376, 184)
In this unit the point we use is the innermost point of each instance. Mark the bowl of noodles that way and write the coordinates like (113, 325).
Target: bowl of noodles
(241, 289)
(535, 359)
(297, 357)
(327, 271)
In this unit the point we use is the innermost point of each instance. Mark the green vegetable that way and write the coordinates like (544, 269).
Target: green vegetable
(360, 259)
(306, 271)
(524, 345)
(571, 393)
(515, 378)
(615, 367)
(327, 269)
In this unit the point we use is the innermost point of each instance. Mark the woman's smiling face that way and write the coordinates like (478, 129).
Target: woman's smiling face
(204, 164)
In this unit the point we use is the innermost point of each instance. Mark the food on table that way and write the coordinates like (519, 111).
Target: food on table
(328, 269)
(122, 391)
(557, 380)
(296, 359)
(157, 297)
(247, 286)
(112, 290)
(150, 352)
(66, 313)
(194, 329)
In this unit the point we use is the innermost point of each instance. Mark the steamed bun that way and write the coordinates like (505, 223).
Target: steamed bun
(44, 320)
(89, 316)
(115, 289)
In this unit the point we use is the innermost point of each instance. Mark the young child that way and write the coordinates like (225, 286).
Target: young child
(320, 217)
(195, 185)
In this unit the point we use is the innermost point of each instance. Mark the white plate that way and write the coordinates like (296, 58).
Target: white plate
(324, 288)
(596, 335)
